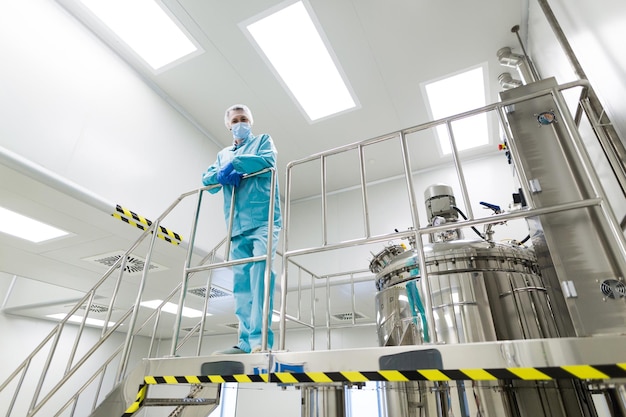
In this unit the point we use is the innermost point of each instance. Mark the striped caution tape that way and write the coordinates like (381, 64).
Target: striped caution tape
(142, 223)
(141, 396)
(528, 374)
(435, 375)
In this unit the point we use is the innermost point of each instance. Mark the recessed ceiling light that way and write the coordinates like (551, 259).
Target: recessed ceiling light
(18, 225)
(78, 319)
(456, 94)
(292, 43)
(173, 308)
(146, 27)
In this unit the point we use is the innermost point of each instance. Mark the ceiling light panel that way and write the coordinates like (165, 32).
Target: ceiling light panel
(78, 319)
(293, 44)
(18, 225)
(456, 94)
(147, 28)
(172, 308)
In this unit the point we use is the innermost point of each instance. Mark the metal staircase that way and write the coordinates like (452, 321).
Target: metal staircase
(121, 365)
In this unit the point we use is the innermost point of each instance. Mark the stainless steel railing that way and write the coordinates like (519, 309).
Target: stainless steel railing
(416, 230)
(50, 348)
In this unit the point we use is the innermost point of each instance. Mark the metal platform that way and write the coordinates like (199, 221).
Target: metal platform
(600, 357)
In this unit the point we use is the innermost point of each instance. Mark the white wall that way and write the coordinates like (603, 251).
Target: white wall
(595, 31)
(70, 104)
(26, 334)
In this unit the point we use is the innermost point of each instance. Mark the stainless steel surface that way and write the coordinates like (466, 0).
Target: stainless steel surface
(323, 400)
(396, 323)
(479, 291)
(533, 353)
(581, 245)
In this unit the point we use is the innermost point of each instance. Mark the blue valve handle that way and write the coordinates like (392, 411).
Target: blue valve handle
(492, 207)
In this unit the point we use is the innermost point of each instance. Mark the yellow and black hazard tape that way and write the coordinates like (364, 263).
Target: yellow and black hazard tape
(528, 374)
(583, 372)
(141, 396)
(142, 223)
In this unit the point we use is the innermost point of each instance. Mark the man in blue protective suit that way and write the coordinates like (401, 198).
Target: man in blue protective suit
(247, 155)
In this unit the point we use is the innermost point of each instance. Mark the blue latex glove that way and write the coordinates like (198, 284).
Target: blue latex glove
(228, 175)
(234, 178)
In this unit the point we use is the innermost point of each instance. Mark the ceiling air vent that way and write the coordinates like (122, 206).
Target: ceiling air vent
(214, 293)
(348, 316)
(95, 308)
(134, 264)
(189, 329)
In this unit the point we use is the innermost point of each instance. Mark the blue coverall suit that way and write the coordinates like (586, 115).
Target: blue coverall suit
(250, 231)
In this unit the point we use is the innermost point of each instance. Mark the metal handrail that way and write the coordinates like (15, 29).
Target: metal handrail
(134, 327)
(416, 231)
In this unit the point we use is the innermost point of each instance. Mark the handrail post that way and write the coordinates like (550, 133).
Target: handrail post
(419, 245)
(284, 269)
(459, 171)
(133, 320)
(46, 366)
(116, 290)
(268, 262)
(183, 289)
(366, 213)
(328, 333)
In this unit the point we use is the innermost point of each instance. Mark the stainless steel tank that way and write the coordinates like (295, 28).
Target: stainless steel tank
(480, 291)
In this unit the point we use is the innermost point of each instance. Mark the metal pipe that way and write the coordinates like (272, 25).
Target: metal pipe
(285, 264)
(419, 245)
(606, 144)
(507, 81)
(185, 280)
(366, 214)
(313, 313)
(17, 389)
(205, 307)
(229, 233)
(327, 313)
(76, 367)
(531, 66)
(155, 328)
(133, 321)
(507, 58)
(324, 202)
(353, 298)
(298, 314)
(459, 172)
(268, 263)
(434, 123)
(46, 366)
(225, 264)
(79, 333)
(116, 290)
(496, 218)
(9, 291)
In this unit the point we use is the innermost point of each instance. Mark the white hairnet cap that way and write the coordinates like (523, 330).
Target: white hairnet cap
(243, 107)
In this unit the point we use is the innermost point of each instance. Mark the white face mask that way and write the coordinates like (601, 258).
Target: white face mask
(240, 130)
